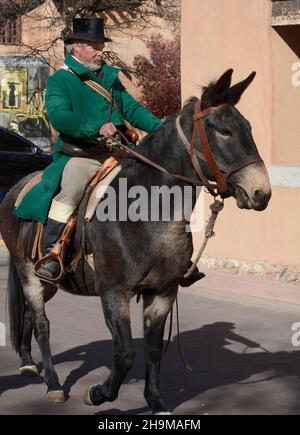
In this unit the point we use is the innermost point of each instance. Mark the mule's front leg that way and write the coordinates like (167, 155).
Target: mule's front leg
(156, 309)
(117, 317)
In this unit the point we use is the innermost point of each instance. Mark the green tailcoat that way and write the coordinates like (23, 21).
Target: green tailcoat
(77, 110)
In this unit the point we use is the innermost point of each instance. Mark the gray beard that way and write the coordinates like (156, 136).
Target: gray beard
(92, 66)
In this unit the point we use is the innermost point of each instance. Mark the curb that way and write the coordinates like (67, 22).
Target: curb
(289, 274)
(240, 285)
(244, 285)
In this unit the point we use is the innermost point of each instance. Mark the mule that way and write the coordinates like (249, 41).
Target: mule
(145, 258)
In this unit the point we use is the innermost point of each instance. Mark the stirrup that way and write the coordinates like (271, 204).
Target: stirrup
(43, 260)
(58, 253)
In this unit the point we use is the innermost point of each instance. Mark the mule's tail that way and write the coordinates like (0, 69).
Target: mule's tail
(16, 305)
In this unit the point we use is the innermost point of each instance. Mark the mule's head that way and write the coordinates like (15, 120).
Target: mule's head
(232, 143)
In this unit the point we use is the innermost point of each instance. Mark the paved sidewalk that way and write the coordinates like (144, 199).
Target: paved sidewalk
(246, 285)
(239, 346)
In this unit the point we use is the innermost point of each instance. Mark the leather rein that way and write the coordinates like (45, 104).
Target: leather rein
(219, 172)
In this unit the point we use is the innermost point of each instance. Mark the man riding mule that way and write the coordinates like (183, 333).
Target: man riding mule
(79, 114)
(209, 144)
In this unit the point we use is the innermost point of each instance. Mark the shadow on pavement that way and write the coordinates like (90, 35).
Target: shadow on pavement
(213, 364)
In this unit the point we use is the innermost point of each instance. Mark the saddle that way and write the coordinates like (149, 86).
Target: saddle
(93, 194)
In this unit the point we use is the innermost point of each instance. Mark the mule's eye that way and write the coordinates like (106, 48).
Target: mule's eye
(224, 132)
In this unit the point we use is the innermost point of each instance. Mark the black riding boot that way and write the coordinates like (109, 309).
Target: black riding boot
(52, 232)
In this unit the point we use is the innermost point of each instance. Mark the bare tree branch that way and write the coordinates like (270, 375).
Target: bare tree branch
(121, 15)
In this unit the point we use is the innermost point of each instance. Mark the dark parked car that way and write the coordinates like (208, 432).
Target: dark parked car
(18, 157)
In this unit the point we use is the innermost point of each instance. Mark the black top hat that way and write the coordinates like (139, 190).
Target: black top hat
(87, 29)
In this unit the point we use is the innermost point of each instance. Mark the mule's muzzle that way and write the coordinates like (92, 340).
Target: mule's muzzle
(258, 201)
(252, 189)
(261, 199)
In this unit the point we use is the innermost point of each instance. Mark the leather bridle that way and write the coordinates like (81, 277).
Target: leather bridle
(220, 172)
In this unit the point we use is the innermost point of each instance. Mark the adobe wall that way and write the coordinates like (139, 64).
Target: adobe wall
(237, 33)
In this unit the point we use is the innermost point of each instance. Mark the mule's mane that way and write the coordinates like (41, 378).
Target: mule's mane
(145, 142)
(188, 101)
(148, 146)
(210, 85)
(210, 95)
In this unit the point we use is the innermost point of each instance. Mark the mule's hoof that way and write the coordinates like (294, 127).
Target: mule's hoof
(29, 370)
(163, 413)
(56, 396)
(87, 397)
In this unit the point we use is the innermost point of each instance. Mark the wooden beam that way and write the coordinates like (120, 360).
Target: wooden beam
(285, 13)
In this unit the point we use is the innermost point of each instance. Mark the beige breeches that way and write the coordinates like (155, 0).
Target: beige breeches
(76, 175)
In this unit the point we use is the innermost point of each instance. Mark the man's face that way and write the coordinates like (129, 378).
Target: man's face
(89, 53)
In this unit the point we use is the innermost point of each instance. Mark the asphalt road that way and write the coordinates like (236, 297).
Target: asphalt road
(239, 347)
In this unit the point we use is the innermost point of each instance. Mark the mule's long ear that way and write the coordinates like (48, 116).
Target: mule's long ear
(233, 94)
(223, 82)
(213, 92)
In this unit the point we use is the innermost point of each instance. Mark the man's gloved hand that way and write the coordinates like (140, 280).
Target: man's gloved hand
(108, 130)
